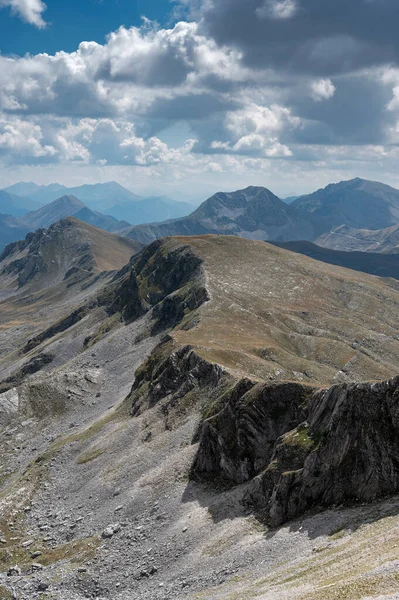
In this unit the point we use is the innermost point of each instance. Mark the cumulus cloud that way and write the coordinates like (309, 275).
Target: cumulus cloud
(255, 129)
(90, 141)
(251, 80)
(133, 70)
(322, 89)
(30, 11)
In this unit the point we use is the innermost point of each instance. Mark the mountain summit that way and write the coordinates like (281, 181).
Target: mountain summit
(357, 203)
(253, 213)
(68, 206)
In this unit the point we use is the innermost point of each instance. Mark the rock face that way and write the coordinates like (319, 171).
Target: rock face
(170, 375)
(169, 280)
(299, 448)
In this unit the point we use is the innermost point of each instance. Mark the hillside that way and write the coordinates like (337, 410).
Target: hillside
(364, 240)
(254, 213)
(383, 265)
(357, 203)
(65, 252)
(171, 417)
(68, 206)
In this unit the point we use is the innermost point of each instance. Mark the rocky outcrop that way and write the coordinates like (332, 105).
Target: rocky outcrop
(165, 277)
(61, 325)
(299, 448)
(293, 446)
(36, 364)
(170, 375)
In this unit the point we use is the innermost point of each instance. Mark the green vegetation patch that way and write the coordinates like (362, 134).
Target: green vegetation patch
(86, 457)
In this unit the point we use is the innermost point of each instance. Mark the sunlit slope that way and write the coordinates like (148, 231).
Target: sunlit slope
(273, 314)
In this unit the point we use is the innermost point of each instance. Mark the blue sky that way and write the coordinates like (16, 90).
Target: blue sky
(76, 20)
(202, 96)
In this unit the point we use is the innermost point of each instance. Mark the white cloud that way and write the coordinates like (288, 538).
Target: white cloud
(256, 129)
(23, 139)
(133, 70)
(277, 9)
(322, 89)
(30, 11)
(108, 104)
(90, 141)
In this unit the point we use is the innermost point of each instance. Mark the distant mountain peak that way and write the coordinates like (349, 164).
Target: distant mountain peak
(68, 201)
(254, 213)
(359, 203)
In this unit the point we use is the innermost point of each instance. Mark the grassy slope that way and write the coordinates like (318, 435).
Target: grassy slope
(275, 314)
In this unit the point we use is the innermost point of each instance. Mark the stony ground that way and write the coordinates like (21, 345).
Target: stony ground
(95, 503)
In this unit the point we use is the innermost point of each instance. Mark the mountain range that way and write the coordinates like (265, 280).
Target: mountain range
(67, 252)
(257, 213)
(110, 198)
(207, 416)
(254, 213)
(358, 203)
(68, 206)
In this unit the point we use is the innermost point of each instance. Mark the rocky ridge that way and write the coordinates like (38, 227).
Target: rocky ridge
(151, 457)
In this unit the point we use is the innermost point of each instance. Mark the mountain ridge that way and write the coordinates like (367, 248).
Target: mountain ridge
(68, 206)
(357, 203)
(254, 212)
(202, 393)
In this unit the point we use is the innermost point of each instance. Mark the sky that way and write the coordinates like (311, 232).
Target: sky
(188, 97)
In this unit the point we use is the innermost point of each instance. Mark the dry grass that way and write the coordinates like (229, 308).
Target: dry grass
(276, 314)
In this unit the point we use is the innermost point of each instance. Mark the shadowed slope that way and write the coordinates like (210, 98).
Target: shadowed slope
(383, 265)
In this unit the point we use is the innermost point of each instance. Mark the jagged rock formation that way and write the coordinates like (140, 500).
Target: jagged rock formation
(169, 280)
(301, 448)
(294, 447)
